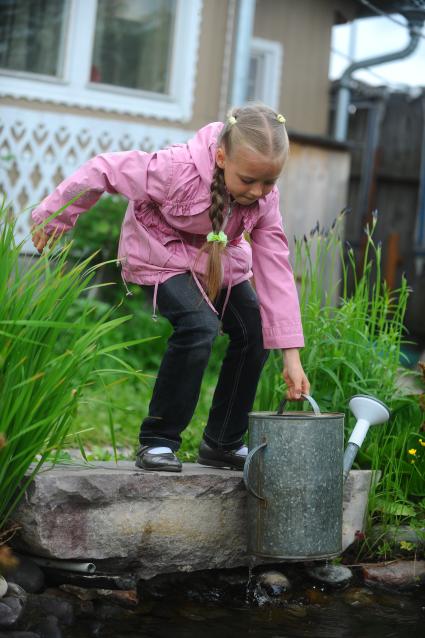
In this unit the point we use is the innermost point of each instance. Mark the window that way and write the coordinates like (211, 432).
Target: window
(265, 69)
(133, 43)
(125, 56)
(32, 35)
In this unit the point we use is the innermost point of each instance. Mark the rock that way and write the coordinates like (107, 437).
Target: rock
(11, 609)
(3, 586)
(355, 498)
(48, 628)
(128, 598)
(7, 616)
(26, 574)
(96, 628)
(331, 574)
(275, 583)
(145, 523)
(358, 597)
(105, 611)
(315, 596)
(401, 573)
(268, 589)
(16, 590)
(51, 603)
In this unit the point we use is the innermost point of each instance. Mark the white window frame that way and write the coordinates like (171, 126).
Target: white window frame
(272, 53)
(75, 89)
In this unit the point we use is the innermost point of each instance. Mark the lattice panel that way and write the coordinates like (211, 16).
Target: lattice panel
(39, 149)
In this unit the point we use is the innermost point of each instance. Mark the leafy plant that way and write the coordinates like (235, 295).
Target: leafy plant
(46, 360)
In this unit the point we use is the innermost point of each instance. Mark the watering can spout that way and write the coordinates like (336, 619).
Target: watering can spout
(368, 411)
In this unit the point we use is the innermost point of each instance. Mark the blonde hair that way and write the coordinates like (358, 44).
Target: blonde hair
(261, 129)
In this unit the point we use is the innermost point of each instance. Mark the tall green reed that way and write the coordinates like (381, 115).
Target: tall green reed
(353, 327)
(46, 360)
(353, 334)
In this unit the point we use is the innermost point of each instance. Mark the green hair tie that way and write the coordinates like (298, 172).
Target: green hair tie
(220, 237)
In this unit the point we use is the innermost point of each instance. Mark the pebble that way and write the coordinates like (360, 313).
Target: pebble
(127, 598)
(358, 597)
(17, 591)
(275, 583)
(26, 574)
(11, 609)
(51, 603)
(331, 574)
(317, 597)
(48, 628)
(399, 573)
(3, 586)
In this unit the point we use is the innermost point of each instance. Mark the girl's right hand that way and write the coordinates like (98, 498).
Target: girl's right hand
(39, 239)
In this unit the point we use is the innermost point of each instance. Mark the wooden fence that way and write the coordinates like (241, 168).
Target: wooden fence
(387, 141)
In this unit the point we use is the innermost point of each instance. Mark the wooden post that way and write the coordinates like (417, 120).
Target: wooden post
(393, 259)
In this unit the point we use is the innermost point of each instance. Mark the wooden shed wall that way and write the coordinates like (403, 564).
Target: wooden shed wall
(393, 191)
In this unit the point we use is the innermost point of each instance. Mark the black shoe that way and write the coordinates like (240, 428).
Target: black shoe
(214, 457)
(167, 462)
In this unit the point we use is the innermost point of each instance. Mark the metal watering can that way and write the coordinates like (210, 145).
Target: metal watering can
(294, 474)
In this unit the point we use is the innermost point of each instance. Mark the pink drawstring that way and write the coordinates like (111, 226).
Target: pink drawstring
(155, 295)
(128, 292)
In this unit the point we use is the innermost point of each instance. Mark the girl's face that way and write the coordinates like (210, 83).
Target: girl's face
(248, 175)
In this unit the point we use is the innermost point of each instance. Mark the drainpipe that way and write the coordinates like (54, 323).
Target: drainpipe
(245, 28)
(227, 59)
(420, 221)
(343, 100)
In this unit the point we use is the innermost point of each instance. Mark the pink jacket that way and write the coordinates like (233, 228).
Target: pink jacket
(167, 221)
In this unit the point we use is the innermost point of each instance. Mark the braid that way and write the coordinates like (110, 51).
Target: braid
(218, 195)
(214, 249)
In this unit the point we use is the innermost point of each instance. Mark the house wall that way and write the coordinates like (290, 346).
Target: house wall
(30, 129)
(304, 29)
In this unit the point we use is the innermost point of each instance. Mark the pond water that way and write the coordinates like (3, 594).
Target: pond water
(352, 613)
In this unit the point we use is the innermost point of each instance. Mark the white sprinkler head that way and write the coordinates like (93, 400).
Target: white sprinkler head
(368, 411)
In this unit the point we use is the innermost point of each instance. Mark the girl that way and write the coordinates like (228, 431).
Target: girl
(182, 239)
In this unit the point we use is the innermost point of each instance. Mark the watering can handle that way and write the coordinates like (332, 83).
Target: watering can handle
(246, 471)
(308, 398)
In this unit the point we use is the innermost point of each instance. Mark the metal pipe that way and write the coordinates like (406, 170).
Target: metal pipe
(420, 221)
(349, 457)
(245, 28)
(343, 100)
(227, 59)
(67, 565)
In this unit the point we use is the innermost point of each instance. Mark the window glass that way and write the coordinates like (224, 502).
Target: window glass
(254, 77)
(133, 44)
(32, 35)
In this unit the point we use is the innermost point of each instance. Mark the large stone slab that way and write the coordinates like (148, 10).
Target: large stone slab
(147, 523)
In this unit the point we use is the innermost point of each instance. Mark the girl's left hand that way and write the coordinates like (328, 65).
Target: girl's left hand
(294, 375)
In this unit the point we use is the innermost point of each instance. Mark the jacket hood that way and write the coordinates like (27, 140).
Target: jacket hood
(202, 149)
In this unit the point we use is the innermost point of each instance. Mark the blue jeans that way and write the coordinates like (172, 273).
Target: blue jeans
(177, 387)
